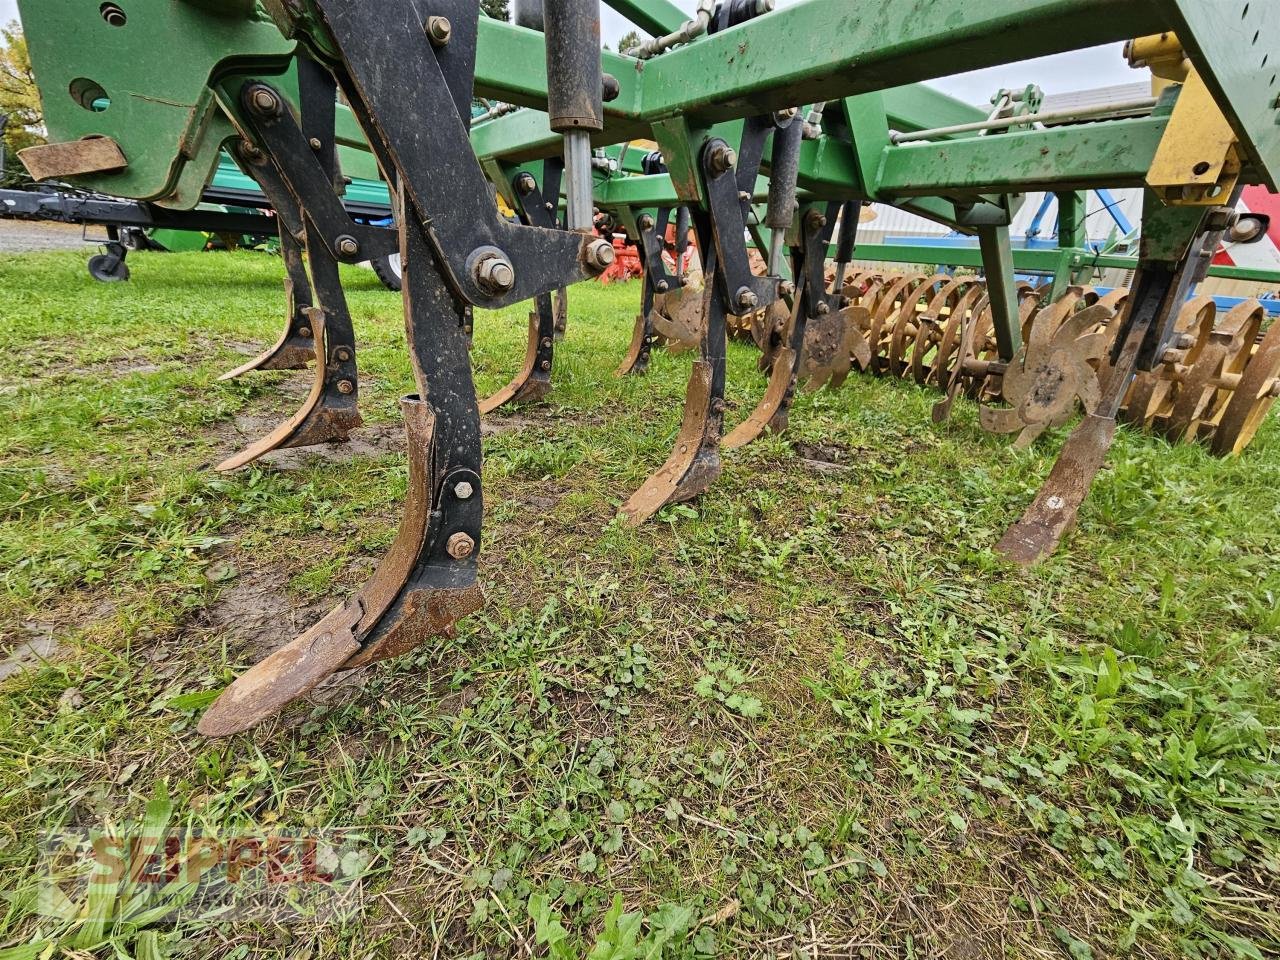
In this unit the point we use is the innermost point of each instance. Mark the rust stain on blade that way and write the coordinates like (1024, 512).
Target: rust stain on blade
(423, 615)
(1055, 510)
(692, 467)
(763, 417)
(524, 388)
(287, 674)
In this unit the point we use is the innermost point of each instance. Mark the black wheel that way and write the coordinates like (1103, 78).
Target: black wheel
(388, 271)
(106, 268)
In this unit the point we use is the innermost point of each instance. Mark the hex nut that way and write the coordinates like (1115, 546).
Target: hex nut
(439, 31)
(494, 274)
(601, 255)
(461, 546)
(723, 159)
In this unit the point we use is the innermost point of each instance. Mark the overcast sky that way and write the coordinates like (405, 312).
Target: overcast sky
(1100, 67)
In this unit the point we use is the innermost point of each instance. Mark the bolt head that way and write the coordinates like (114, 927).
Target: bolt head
(315, 143)
(662, 286)
(464, 490)
(787, 288)
(348, 246)
(646, 222)
(439, 31)
(747, 299)
(723, 159)
(601, 255)
(346, 388)
(461, 546)
(824, 308)
(264, 101)
(495, 274)
(525, 184)
(343, 354)
(304, 331)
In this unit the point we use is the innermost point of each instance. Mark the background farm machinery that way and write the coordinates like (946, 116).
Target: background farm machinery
(772, 130)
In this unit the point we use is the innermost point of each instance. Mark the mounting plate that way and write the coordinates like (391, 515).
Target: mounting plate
(1235, 45)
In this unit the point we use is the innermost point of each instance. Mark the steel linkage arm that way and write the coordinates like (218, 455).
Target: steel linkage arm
(419, 115)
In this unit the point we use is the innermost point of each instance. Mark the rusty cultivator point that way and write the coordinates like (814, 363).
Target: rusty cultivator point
(774, 130)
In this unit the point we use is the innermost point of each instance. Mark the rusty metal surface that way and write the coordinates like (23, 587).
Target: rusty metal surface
(1253, 398)
(287, 674)
(1054, 511)
(636, 360)
(1226, 352)
(326, 416)
(679, 318)
(1054, 372)
(771, 413)
(832, 343)
(694, 464)
(74, 158)
(292, 351)
(532, 383)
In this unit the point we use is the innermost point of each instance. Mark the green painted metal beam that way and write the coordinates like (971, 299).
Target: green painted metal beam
(658, 17)
(1117, 153)
(920, 107)
(840, 49)
(997, 264)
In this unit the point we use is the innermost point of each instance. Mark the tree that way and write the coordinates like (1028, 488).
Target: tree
(496, 9)
(19, 100)
(630, 43)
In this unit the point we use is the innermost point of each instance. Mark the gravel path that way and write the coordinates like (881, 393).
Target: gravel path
(24, 236)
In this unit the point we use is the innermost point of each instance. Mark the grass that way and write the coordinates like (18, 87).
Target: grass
(810, 715)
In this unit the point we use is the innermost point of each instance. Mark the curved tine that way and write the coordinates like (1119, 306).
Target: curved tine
(427, 581)
(694, 463)
(1238, 359)
(855, 345)
(1252, 399)
(1083, 322)
(952, 332)
(330, 411)
(636, 362)
(1115, 299)
(533, 382)
(771, 413)
(1238, 330)
(1151, 391)
(1047, 322)
(955, 376)
(296, 346)
(929, 331)
(908, 316)
(886, 300)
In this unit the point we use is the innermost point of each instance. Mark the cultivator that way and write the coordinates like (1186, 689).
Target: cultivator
(773, 125)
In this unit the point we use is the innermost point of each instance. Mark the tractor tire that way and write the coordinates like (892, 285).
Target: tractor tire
(388, 271)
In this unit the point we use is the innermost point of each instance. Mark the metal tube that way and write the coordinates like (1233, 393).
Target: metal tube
(575, 104)
(528, 13)
(695, 28)
(1125, 108)
(578, 180)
